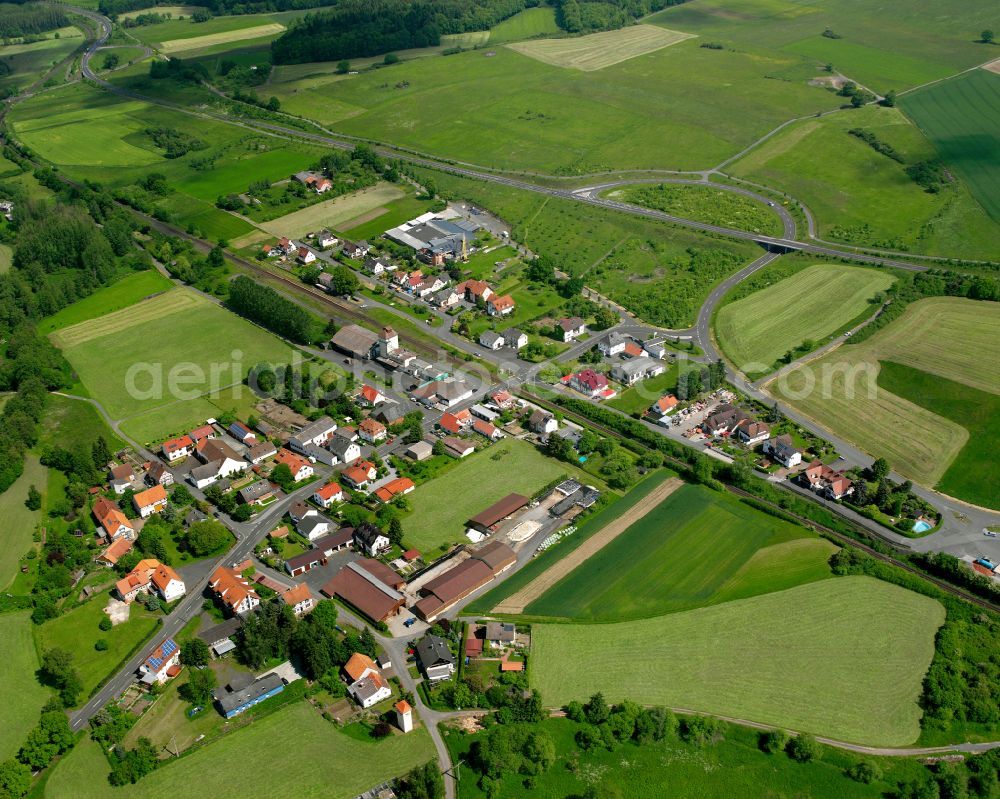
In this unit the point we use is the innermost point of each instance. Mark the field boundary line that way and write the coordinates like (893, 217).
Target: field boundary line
(516, 603)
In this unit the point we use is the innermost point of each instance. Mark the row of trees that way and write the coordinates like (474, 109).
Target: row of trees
(267, 307)
(28, 19)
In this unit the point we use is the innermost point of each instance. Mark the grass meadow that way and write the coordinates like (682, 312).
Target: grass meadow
(732, 765)
(862, 197)
(528, 24)
(962, 118)
(758, 330)
(977, 411)
(326, 763)
(442, 506)
(884, 44)
(19, 522)
(28, 62)
(93, 135)
(599, 50)
(842, 658)
(20, 692)
(948, 337)
(123, 293)
(528, 115)
(678, 557)
(68, 419)
(77, 631)
(165, 333)
(705, 204)
(643, 264)
(176, 30)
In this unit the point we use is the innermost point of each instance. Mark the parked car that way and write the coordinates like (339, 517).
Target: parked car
(410, 621)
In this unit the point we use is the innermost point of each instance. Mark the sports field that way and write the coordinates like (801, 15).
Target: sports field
(758, 330)
(19, 522)
(600, 50)
(443, 505)
(326, 763)
(20, 693)
(962, 118)
(681, 556)
(123, 293)
(862, 197)
(977, 411)
(842, 658)
(77, 631)
(944, 336)
(332, 213)
(140, 346)
(533, 115)
(705, 204)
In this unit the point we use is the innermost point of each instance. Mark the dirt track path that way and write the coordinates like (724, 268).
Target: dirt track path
(516, 603)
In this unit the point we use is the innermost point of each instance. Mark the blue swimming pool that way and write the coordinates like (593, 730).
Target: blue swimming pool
(921, 526)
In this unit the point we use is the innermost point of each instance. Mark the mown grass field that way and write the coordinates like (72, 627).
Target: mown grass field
(443, 505)
(224, 37)
(862, 197)
(527, 24)
(19, 522)
(123, 293)
(676, 558)
(326, 763)
(977, 411)
(531, 115)
(758, 330)
(644, 265)
(705, 204)
(732, 765)
(962, 118)
(842, 657)
(20, 692)
(883, 44)
(6, 258)
(179, 29)
(332, 213)
(599, 50)
(156, 336)
(944, 336)
(77, 630)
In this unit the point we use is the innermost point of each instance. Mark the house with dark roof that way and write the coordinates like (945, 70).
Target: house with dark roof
(435, 658)
(235, 699)
(572, 328)
(257, 493)
(782, 449)
(370, 540)
(588, 382)
(307, 561)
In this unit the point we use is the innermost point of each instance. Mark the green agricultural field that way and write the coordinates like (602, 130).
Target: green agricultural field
(94, 135)
(180, 331)
(77, 631)
(29, 62)
(20, 693)
(599, 50)
(944, 336)
(660, 273)
(883, 44)
(333, 213)
(528, 24)
(842, 658)
(758, 330)
(326, 763)
(962, 118)
(442, 506)
(125, 292)
(19, 522)
(67, 419)
(178, 417)
(6, 258)
(534, 116)
(179, 29)
(676, 558)
(705, 204)
(732, 765)
(977, 411)
(862, 197)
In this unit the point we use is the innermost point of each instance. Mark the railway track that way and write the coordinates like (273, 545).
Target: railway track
(839, 537)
